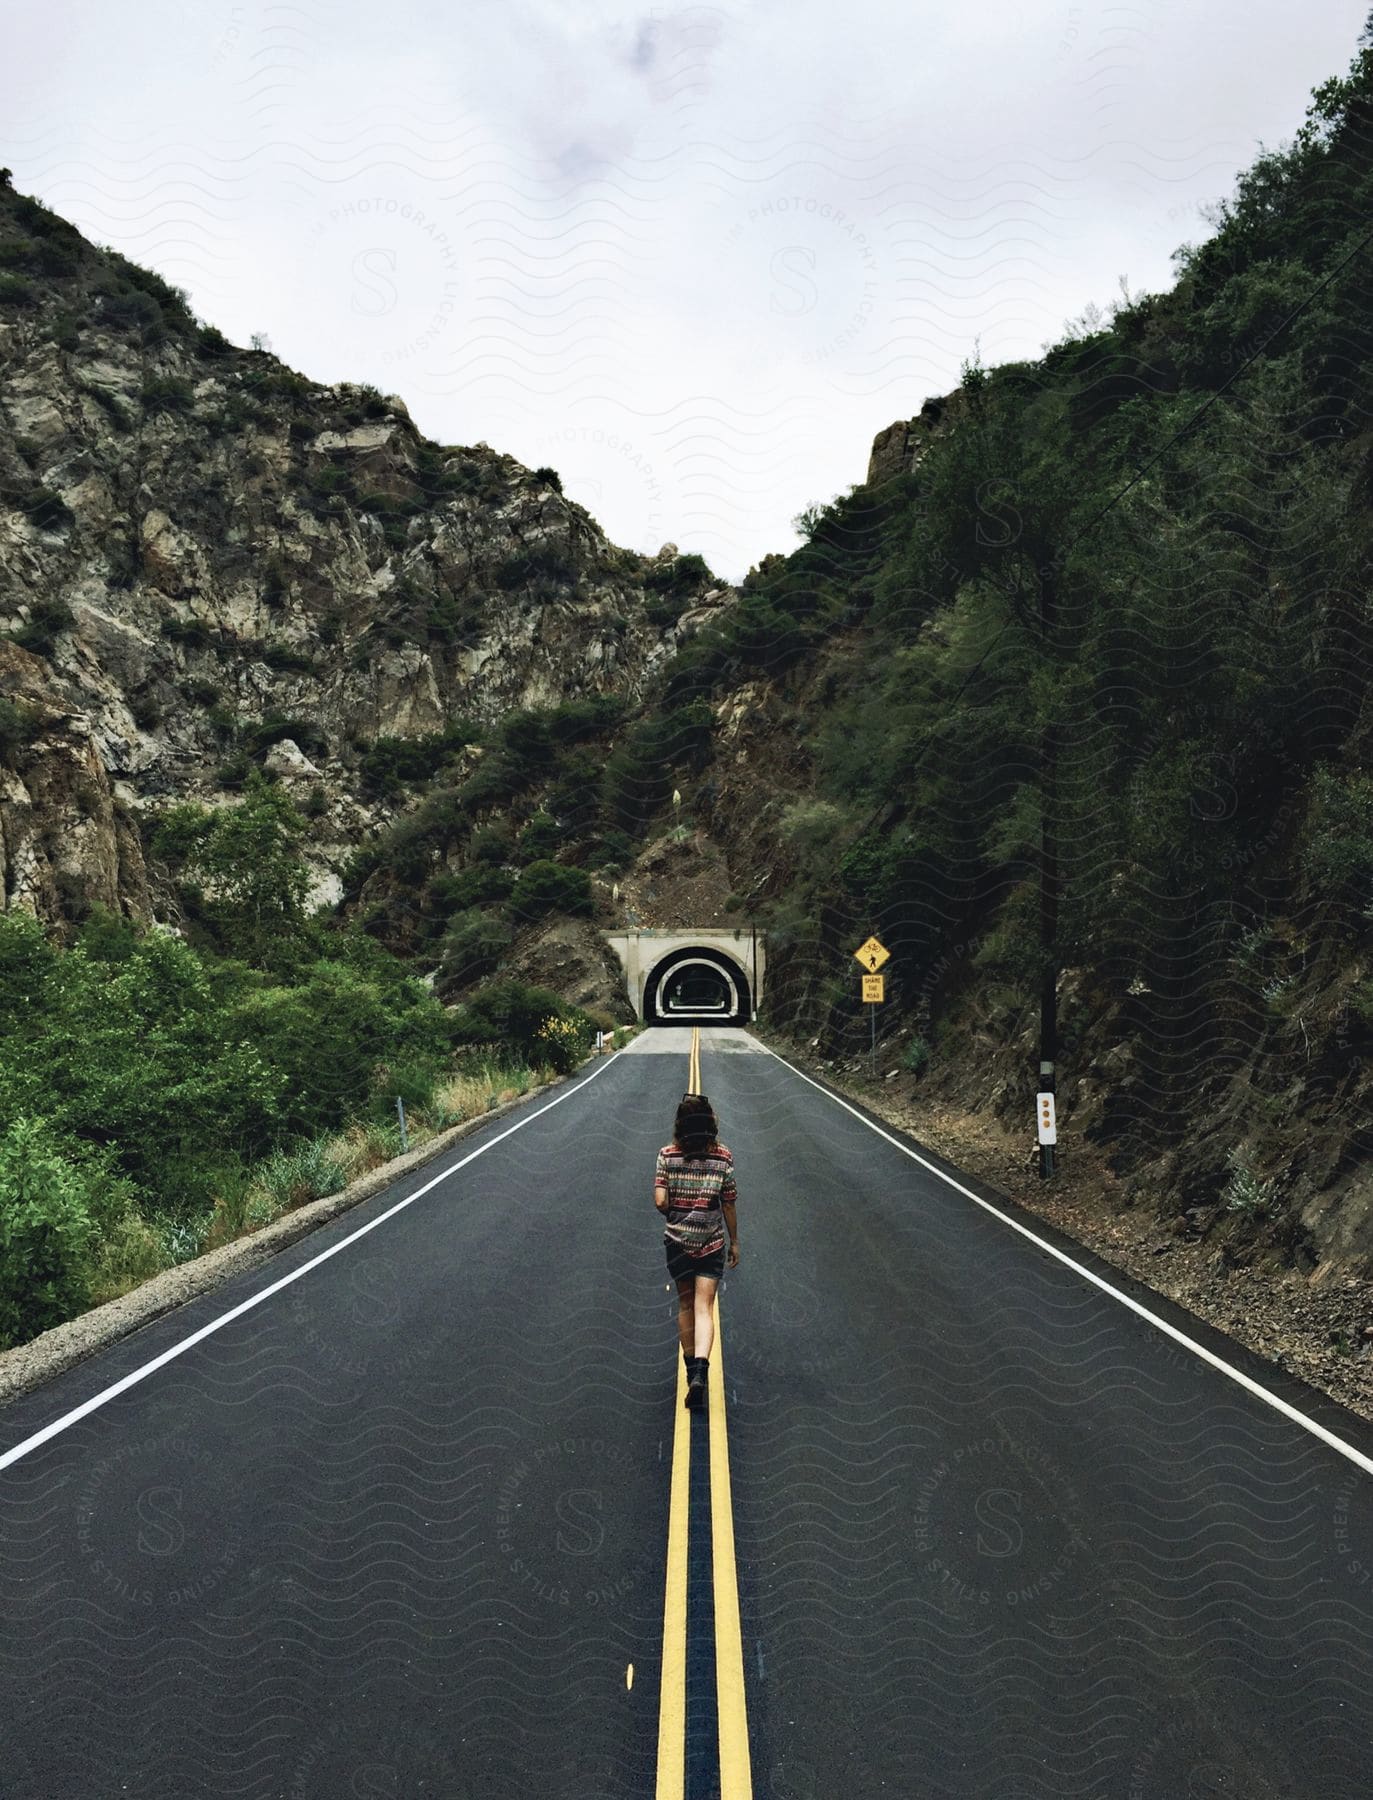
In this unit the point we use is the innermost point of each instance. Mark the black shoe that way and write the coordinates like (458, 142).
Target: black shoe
(696, 1384)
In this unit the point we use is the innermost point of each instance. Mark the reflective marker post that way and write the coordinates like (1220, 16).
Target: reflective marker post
(1047, 1122)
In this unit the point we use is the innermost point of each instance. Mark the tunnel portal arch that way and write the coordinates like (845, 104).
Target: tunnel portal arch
(722, 971)
(696, 985)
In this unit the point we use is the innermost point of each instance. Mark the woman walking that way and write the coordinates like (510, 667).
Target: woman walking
(694, 1190)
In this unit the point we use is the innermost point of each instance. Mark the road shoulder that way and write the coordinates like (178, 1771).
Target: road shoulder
(1295, 1326)
(27, 1366)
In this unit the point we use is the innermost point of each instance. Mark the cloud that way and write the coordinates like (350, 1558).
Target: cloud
(693, 256)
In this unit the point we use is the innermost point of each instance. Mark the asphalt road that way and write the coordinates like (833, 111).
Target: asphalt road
(405, 1527)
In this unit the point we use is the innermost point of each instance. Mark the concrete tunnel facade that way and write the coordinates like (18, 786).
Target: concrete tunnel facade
(692, 977)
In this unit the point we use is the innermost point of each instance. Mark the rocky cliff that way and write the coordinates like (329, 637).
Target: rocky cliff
(206, 560)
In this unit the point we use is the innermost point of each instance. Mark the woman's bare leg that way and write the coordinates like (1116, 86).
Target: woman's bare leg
(705, 1318)
(686, 1315)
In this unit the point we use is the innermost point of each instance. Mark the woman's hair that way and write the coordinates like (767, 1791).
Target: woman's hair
(695, 1129)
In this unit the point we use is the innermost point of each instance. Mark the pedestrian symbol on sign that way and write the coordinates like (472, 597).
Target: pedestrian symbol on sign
(872, 955)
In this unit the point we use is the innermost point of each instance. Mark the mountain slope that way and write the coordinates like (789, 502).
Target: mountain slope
(207, 560)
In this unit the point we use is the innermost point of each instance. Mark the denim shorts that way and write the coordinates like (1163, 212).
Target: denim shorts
(681, 1265)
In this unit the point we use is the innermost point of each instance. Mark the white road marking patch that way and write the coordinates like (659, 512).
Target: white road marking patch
(675, 1040)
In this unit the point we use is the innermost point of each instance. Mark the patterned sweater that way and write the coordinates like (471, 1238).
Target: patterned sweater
(696, 1190)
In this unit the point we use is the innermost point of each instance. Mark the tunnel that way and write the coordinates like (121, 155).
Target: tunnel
(696, 986)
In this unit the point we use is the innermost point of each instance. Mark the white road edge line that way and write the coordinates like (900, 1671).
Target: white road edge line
(136, 1375)
(1288, 1411)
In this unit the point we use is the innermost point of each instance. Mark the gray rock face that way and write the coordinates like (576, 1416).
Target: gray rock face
(899, 448)
(195, 539)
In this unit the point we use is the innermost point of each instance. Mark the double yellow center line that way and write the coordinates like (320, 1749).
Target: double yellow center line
(736, 1776)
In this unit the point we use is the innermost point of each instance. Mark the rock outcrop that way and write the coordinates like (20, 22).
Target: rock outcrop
(205, 556)
(899, 449)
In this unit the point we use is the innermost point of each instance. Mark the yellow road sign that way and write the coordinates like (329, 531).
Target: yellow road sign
(873, 986)
(872, 955)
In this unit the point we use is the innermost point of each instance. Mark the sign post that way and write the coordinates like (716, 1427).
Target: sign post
(872, 955)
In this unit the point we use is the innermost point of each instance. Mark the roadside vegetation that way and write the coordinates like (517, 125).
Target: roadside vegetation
(162, 1092)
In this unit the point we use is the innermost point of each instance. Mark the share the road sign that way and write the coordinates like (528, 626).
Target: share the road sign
(873, 986)
(872, 955)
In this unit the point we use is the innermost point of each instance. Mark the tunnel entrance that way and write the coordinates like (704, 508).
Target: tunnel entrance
(696, 986)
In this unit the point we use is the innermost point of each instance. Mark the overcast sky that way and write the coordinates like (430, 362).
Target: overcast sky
(694, 258)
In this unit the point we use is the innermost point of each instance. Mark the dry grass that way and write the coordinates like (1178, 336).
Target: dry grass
(294, 1177)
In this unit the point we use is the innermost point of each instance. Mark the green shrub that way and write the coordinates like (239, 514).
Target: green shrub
(1245, 1193)
(539, 839)
(677, 576)
(179, 830)
(1338, 847)
(234, 771)
(42, 506)
(132, 1251)
(48, 619)
(664, 610)
(545, 887)
(305, 733)
(915, 1056)
(412, 1081)
(109, 937)
(299, 1174)
(525, 565)
(287, 658)
(130, 278)
(332, 481)
(330, 1033)
(591, 716)
(390, 763)
(195, 634)
(15, 291)
(211, 342)
(473, 946)
(168, 393)
(563, 1042)
(480, 884)
(464, 475)
(127, 308)
(51, 258)
(18, 725)
(613, 850)
(549, 478)
(45, 1234)
(510, 1013)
